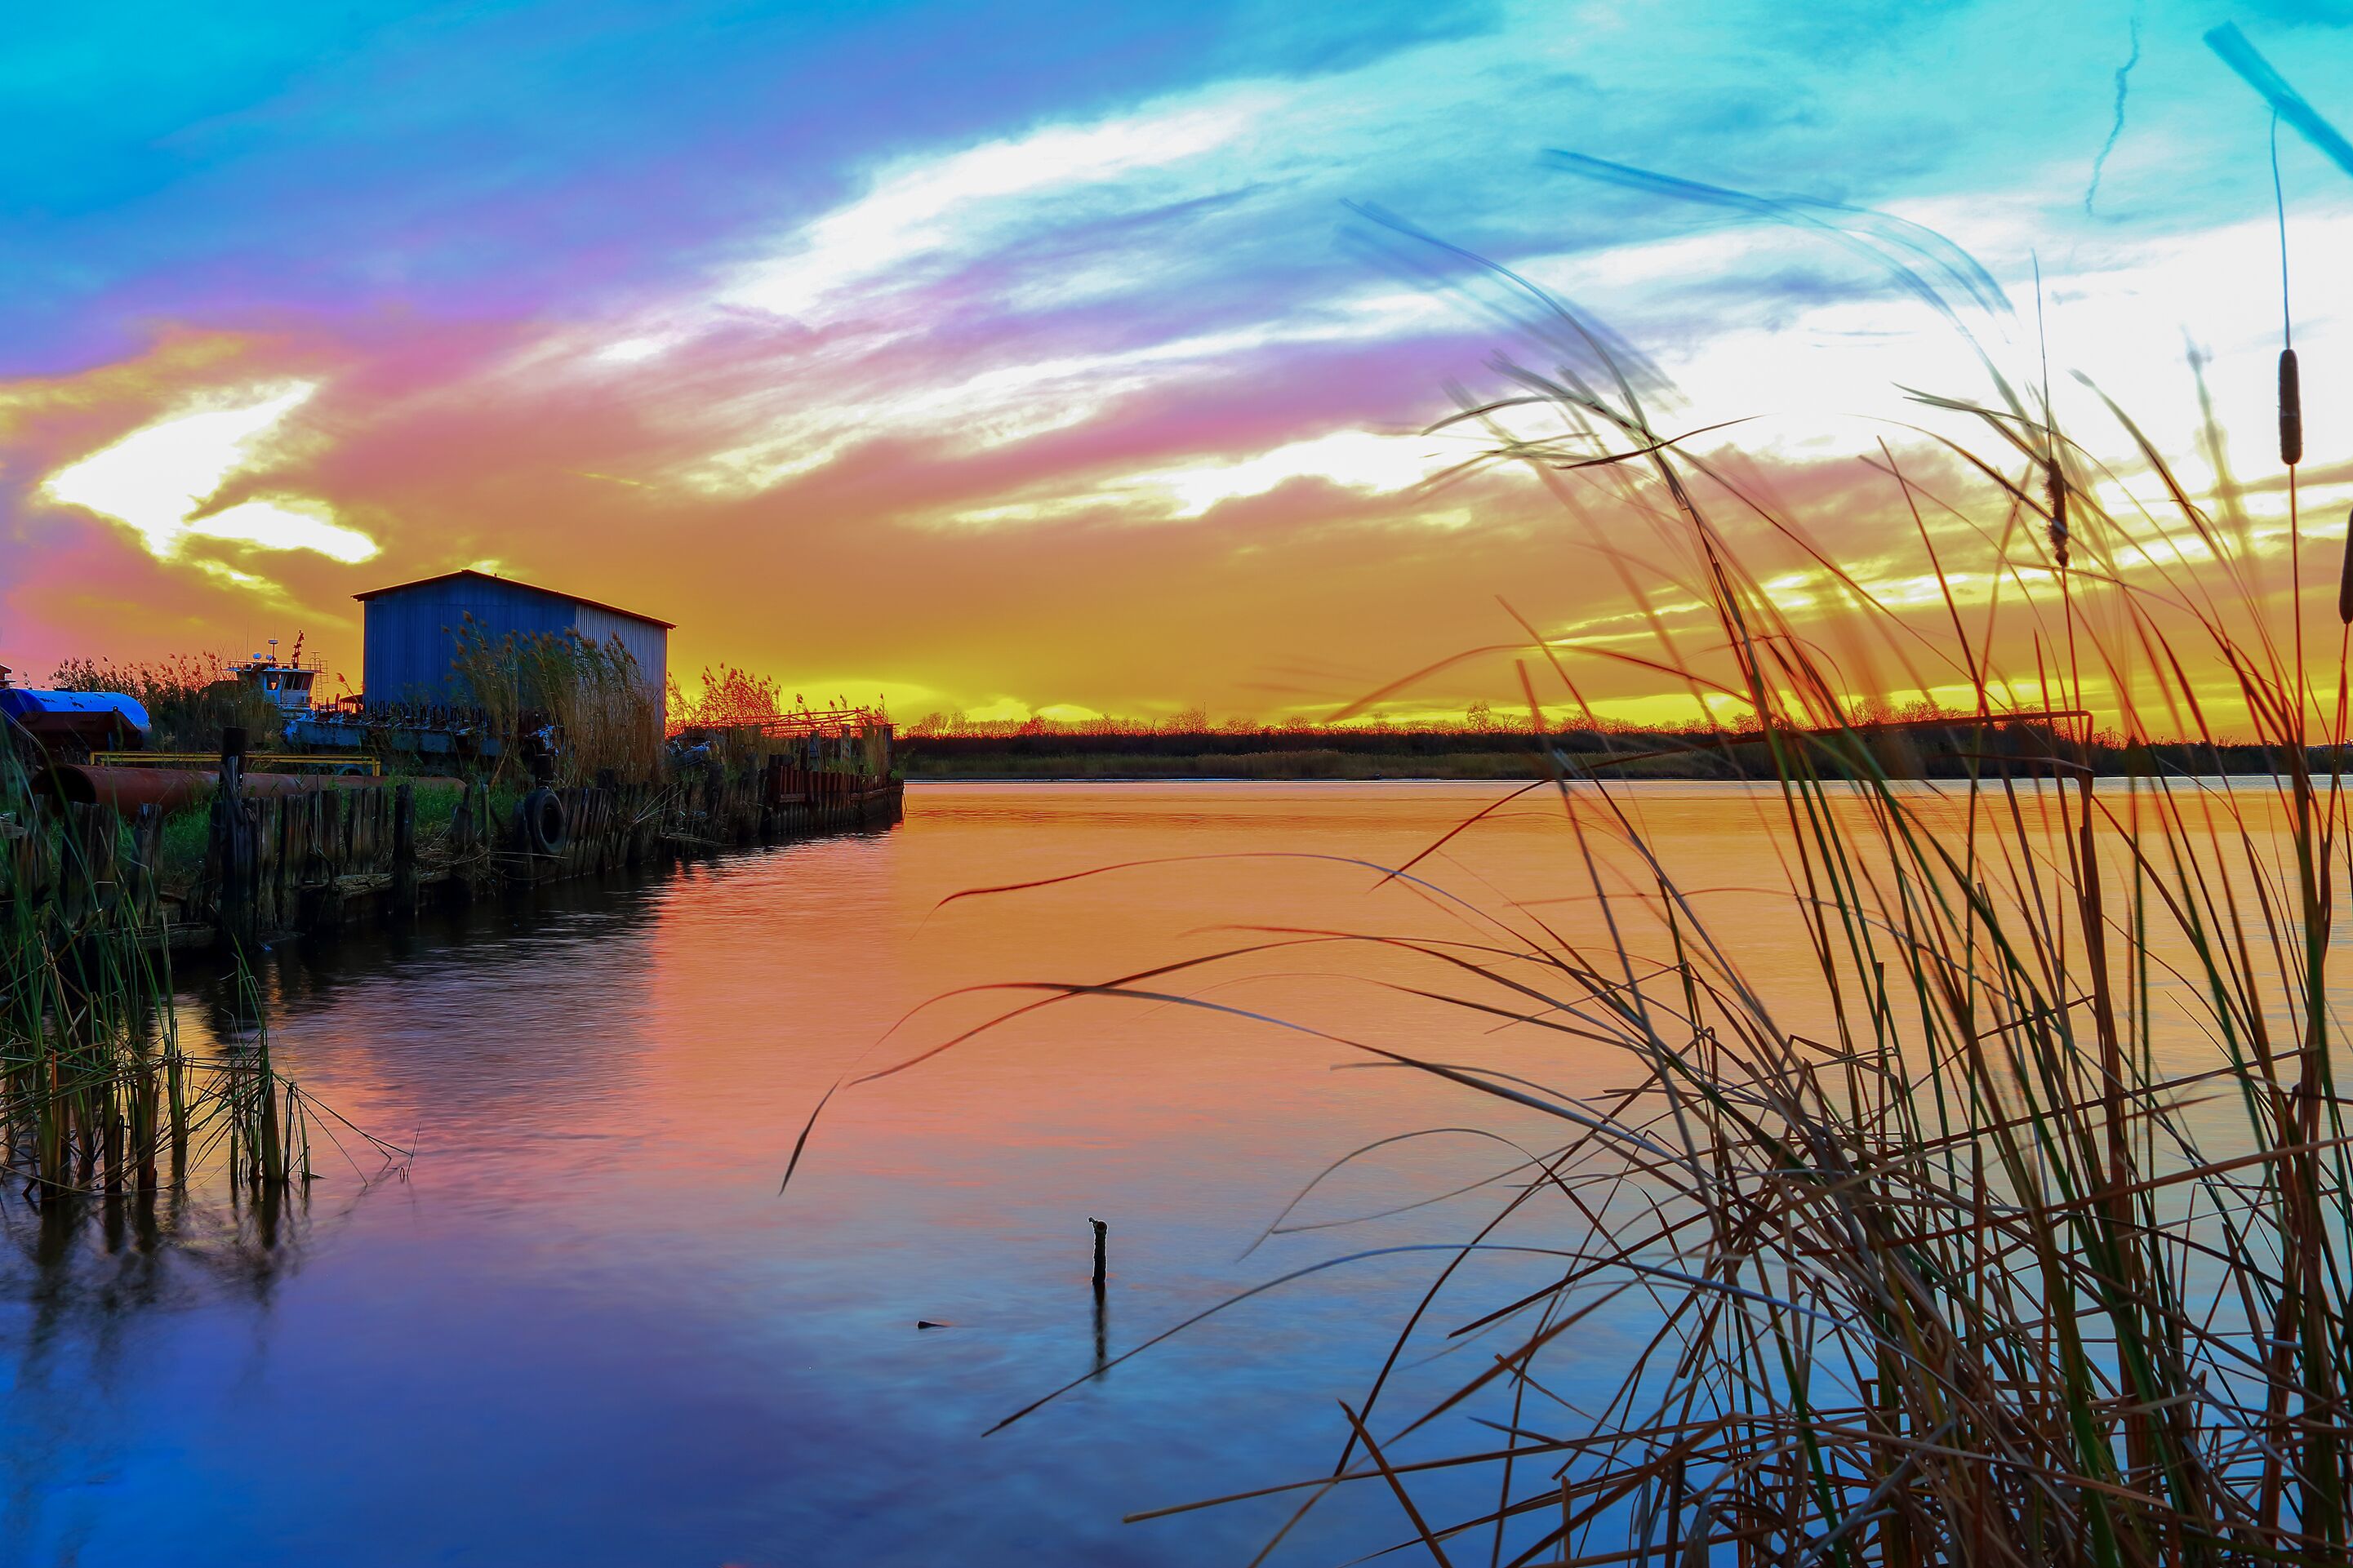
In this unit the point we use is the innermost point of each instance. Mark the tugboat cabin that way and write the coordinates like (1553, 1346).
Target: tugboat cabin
(286, 683)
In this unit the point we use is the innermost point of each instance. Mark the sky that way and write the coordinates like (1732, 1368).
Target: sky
(1076, 360)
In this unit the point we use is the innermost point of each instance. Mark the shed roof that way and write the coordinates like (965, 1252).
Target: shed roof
(516, 582)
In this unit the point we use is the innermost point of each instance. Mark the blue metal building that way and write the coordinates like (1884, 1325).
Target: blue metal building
(411, 631)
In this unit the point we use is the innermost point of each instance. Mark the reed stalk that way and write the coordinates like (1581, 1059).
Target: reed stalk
(96, 1090)
(2016, 1230)
(604, 709)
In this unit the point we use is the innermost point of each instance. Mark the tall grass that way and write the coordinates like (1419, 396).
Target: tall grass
(730, 697)
(189, 698)
(606, 710)
(2019, 1228)
(728, 715)
(97, 1097)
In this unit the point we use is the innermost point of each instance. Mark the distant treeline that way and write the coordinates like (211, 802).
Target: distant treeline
(1912, 749)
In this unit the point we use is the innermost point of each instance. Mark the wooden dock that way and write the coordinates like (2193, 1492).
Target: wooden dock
(330, 858)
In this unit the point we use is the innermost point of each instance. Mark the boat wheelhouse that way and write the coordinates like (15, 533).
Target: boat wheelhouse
(286, 683)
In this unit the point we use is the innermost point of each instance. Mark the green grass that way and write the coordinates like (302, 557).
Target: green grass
(181, 847)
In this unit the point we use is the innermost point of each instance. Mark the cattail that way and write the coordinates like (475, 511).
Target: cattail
(2345, 582)
(2054, 487)
(2291, 411)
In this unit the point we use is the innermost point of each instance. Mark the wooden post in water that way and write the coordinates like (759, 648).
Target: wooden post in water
(272, 1137)
(1103, 1232)
(146, 850)
(404, 848)
(233, 842)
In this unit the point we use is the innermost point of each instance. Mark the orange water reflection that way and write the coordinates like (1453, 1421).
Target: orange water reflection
(587, 1329)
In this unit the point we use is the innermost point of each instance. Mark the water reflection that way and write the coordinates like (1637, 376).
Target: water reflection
(85, 1279)
(78, 1255)
(584, 1327)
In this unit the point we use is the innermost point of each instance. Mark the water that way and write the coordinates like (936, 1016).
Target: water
(585, 1328)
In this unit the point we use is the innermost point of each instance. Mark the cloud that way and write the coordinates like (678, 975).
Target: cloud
(1357, 461)
(925, 213)
(1066, 394)
(285, 525)
(157, 481)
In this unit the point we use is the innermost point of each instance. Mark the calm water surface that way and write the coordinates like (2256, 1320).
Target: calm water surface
(585, 1328)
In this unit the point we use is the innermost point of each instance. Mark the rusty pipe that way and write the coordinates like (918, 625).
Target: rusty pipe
(125, 790)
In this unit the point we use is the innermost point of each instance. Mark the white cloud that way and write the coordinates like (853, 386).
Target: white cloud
(287, 525)
(1000, 710)
(971, 199)
(1004, 405)
(156, 480)
(1068, 713)
(941, 292)
(154, 477)
(1359, 460)
(1353, 460)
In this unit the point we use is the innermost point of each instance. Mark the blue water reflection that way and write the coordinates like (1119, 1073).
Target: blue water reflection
(584, 1328)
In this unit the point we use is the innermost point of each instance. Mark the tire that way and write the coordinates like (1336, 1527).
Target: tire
(545, 827)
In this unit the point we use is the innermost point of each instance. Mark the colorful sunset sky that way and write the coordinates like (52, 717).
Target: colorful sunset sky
(1072, 359)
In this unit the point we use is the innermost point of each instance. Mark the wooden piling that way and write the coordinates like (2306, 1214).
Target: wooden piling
(1103, 1325)
(230, 856)
(404, 848)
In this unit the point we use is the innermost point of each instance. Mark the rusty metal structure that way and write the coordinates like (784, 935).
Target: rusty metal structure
(70, 723)
(842, 738)
(126, 789)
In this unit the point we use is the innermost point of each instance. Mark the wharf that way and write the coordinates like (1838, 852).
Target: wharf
(333, 859)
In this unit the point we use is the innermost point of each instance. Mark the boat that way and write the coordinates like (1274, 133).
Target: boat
(285, 683)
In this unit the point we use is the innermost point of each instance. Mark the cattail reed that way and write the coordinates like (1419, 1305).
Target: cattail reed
(2026, 1245)
(95, 1091)
(2345, 579)
(2054, 490)
(2291, 410)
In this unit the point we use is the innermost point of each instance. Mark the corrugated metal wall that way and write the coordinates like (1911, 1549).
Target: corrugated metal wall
(648, 644)
(411, 635)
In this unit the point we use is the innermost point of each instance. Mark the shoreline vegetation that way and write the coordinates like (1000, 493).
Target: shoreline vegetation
(589, 699)
(103, 1112)
(99, 1101)
(1948, 747)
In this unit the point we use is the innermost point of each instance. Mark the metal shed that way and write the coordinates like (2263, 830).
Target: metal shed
(410, 630)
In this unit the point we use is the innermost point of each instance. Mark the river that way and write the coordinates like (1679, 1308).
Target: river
(585, 1327)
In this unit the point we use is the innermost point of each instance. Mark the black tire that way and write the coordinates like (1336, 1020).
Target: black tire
(545, 827)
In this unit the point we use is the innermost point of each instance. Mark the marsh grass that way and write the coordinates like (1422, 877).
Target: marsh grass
(189, 700)
(606, 709)
(729, 698)
(2019, 1230)
(98, 1098)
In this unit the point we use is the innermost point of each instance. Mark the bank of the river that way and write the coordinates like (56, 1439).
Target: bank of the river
(241, 867)
(1904, 750)
(1299, 764)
